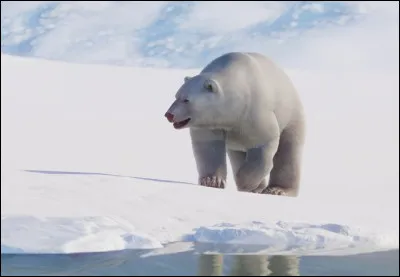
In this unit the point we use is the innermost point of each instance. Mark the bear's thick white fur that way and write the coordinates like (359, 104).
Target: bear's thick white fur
(244, 105)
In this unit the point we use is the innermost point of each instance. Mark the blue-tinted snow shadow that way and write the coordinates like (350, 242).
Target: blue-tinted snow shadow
(55, 172)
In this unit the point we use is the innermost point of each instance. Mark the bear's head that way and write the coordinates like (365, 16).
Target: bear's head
(201, 102)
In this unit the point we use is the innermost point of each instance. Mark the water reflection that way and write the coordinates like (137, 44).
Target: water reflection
(188, 260)
(210, 265)
(250, 265)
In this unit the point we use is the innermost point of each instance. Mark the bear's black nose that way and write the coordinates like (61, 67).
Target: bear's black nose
(169, 116)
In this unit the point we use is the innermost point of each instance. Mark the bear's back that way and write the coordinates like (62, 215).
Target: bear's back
(255, 68)
(287, 103)
(272, 88)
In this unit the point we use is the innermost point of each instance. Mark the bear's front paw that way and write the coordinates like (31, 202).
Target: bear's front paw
(212, 182)
(253, 189)
(274, 191)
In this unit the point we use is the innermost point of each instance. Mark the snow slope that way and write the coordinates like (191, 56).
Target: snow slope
(90, 164)
(186, 33)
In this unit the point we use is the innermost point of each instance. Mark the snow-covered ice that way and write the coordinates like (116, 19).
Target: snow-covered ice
(69, 235)
(90, 164)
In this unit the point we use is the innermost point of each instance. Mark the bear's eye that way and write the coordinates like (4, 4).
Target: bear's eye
(185, 101)
(208, 86)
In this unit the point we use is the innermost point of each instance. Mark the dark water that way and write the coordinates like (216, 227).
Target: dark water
(137, 262)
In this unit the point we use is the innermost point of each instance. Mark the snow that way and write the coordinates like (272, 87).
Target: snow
(187, 33)
(90, 164)
(86, 234)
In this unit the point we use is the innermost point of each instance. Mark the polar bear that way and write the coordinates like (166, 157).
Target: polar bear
(243, 105)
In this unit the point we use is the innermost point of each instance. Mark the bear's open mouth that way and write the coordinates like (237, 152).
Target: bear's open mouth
(181, 124)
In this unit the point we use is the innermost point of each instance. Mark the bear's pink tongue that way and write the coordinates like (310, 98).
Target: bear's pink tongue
(181, 124)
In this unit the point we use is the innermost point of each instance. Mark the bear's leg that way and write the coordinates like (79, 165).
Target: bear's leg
(257, 166)
(237, 159)
(285, 175)
(210, 154)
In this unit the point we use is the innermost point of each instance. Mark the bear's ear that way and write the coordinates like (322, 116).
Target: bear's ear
(187, 78)
(210, 86)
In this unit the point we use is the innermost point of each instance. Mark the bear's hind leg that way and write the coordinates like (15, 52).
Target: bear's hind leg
(285, 175)
(237, 159)
(210, 155)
